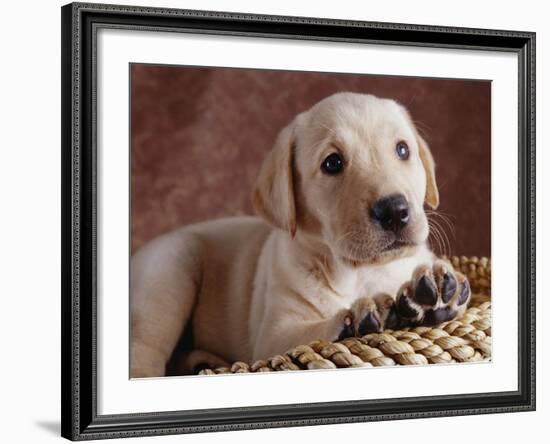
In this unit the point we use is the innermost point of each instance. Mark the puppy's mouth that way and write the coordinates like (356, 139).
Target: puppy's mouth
(396, 245)
(391, 250)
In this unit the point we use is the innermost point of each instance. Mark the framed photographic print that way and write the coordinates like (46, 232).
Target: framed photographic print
(277, 221)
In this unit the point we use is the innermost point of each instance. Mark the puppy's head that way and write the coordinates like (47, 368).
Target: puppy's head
(354, 173)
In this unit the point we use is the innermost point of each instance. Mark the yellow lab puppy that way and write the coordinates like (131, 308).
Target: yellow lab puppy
(340, 250)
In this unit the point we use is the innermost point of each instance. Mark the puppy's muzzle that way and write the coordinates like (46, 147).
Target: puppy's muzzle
(391, 212)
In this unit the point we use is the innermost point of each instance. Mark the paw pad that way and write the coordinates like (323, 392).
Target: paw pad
(369, 324)
(426, 291)
(448, 287)
(348, 329)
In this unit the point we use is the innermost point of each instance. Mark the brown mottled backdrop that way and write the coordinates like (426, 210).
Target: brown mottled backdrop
(199, 135)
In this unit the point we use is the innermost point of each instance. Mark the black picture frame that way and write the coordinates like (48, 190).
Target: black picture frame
(79, 169)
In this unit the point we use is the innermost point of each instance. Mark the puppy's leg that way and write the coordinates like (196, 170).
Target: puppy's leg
(435, 294)
(165, 280)
(280, 332)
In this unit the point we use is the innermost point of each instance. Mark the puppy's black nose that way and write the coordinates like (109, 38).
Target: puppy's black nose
(391, 212)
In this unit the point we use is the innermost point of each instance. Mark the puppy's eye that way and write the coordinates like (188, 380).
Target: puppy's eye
(333, 164)
(402, 150)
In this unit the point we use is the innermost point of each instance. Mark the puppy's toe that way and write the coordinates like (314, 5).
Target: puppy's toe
(366, 316)
(465, 292)
(387, 311)
(407, 308)
(369, 324)
(348, 328)
(425, 289)
(448, 286)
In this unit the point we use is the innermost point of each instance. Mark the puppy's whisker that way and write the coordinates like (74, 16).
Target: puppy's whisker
(444, 218)
(449, 226)
(435, 231)
(434, 237)
(344, 237)
(445, 238)
(449, 223)
(443, 234)
(353, 243)
(354, 231)
(342, 241)
(438, 234)
(432, 242)
(445, 222)
(441, 241)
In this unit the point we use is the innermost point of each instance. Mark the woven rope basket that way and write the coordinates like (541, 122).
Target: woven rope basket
(465, 339)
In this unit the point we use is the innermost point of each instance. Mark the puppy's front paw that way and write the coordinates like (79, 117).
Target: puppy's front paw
(435, 294)
(367, 315)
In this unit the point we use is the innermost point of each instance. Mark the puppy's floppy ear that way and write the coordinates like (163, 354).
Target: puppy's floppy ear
(432, 193)
(273, 194)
